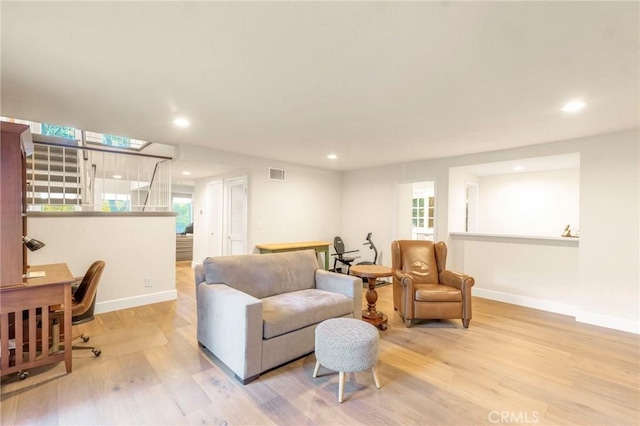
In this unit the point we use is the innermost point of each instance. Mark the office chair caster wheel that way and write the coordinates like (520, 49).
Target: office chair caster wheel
(85, 339)
(23, 375)
(96, 352)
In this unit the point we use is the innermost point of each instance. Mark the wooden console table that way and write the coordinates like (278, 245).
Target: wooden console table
(318, 246)
(20, 347)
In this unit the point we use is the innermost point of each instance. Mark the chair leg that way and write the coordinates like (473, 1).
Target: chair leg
(465, 322)
(407, 323)
(341, 387)
(315, 370)
(375, 376)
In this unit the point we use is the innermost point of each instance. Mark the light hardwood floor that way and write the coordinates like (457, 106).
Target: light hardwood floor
(513, 365)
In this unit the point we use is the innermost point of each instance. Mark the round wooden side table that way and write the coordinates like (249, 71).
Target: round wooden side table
(371, 273)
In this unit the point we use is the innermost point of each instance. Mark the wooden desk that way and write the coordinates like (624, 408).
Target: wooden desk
(37, 293)
(318, 246)
(371, 273)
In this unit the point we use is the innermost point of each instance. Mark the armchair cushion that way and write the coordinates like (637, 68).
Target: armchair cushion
(436, 293)
(420, 262)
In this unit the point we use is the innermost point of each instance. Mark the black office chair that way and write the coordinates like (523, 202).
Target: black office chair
(338, 246)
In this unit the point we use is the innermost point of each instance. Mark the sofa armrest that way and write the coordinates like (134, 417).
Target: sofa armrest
(230, 326)
(348, 285)
(198, 273)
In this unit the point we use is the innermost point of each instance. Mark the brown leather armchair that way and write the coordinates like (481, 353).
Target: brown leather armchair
(424, 288)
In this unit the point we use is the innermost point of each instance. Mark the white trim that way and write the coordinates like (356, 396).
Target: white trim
(132, 302)
(563, 309)
(529, 302)
(529, 238)
(621, 324)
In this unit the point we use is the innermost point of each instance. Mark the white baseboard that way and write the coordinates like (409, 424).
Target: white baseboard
(561, 308)
(609, 322)
(131, 302)
(529, 302)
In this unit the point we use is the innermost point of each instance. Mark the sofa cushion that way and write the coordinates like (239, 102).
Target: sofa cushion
(287, 312)
(264, 275)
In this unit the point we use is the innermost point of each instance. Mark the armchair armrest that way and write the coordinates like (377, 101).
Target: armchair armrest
(458, 280)
(348, 285)
(230, 326)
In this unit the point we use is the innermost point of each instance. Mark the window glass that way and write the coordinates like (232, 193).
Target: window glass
(59, 131)
(115, 203)
(183, 207)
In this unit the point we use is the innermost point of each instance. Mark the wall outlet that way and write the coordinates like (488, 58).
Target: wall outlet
(147, 282)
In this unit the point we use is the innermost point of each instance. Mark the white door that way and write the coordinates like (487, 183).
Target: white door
(237, 217)
(215, 220)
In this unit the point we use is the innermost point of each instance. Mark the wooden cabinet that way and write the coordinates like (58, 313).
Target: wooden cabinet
(184, 247)
(13, 221)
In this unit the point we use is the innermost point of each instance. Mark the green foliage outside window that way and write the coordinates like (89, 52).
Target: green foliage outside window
(58, 208)
(60, 131)
(116, 141)
(115, 206)
(182, 206)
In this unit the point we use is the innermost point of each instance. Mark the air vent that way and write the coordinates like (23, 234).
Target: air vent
(276, 174)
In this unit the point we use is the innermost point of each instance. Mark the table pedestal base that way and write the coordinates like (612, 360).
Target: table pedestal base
(379, 319)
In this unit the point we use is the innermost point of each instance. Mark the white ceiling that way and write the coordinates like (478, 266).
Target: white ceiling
(524, 165)
(373, 82)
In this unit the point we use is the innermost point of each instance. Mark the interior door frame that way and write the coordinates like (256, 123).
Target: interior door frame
(399, 212)
(242, 181)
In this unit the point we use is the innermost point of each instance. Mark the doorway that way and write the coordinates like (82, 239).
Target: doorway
(237, 215)
(415, 210)
(227, 221)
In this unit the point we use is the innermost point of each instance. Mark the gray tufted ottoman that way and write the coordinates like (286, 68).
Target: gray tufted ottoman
(346, 345)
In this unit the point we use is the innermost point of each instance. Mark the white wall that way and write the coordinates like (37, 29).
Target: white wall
(368, 206)
(609, 230)
(540, 203)
(133, 247)
(457, 190)
(538, 273)
(307, 206)
(607, 291)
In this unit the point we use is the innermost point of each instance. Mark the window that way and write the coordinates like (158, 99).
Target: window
(49, 129)
(115, 203)
(59, 131)
(418, 213)
(423, 216)
(430, 212)
(114, 141)
(182, 205)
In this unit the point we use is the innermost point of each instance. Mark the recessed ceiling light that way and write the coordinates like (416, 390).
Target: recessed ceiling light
(117, 176)
(332, 156)
(518, 168)
(573, 106)
(186, 173)
(181, 122)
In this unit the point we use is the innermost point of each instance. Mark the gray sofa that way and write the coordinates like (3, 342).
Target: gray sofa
(258, 311)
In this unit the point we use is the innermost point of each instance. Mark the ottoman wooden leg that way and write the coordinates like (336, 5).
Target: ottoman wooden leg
(341, 387)
(375, 376)
(315, 370)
